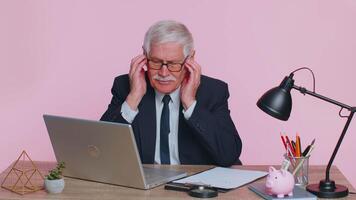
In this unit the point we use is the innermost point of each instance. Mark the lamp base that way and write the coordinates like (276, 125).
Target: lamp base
(328, 189)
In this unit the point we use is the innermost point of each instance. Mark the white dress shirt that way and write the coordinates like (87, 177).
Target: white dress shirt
(129, 115)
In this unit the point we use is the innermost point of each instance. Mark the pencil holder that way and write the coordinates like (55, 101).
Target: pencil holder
(299, 168)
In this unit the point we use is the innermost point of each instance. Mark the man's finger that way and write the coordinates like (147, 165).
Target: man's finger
(195, 65)
(135, 61)
(139, 68)
(136, 58)
(197, 68)
(194, 72)
(191, 76)
(191, 69)
(135, 65)
(132, 64)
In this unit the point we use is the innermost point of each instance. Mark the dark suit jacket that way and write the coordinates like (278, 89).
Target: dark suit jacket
(208, 137)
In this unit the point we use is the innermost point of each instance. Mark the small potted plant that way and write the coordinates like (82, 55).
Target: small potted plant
(54, 182)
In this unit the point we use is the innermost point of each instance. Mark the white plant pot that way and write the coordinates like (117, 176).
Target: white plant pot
(54, 186)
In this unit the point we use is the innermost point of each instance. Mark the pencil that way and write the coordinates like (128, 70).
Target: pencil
(300, 145)
(297, 146)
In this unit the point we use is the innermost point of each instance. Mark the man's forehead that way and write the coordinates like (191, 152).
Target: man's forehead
(171, 50)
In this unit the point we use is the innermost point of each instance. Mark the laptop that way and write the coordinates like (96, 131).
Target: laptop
(104, 152)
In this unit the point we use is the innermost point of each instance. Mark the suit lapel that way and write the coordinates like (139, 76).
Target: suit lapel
(147, 121)
(182, 129)
(185, 135)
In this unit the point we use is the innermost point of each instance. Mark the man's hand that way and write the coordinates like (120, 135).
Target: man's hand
(190, 83)
(137, 81)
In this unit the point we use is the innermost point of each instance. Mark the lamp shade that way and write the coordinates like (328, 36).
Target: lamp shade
(277, 101)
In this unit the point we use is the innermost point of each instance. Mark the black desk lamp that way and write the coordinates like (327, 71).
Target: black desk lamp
(277, 102)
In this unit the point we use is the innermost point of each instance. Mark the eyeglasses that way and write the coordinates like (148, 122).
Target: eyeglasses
(172, 67)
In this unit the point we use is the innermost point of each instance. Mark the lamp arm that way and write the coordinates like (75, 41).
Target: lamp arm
(305, 91)
(352, 111)
(327, 178)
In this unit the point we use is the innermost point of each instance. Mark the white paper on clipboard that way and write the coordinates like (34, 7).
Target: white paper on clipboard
(225, 178)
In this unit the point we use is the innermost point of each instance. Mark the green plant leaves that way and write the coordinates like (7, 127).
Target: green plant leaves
(56, 173)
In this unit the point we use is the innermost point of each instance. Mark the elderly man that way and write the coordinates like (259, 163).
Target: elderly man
(178, 115)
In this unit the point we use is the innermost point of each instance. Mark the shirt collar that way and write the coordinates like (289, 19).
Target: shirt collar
(174, 96)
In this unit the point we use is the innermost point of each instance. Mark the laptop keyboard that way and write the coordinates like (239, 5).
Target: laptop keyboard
(153, 175)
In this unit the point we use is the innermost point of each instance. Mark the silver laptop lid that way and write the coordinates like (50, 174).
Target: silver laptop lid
(95, 150)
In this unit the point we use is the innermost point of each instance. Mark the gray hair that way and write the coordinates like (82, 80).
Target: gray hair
(169, 31)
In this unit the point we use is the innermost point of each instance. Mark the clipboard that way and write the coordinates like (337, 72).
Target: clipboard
(220, 178)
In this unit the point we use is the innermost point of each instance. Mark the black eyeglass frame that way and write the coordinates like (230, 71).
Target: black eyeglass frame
(167, 64)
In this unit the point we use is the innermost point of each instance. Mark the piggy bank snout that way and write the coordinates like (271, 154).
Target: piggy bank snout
(269, 183)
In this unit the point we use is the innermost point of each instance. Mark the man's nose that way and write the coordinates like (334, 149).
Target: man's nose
(164, 70)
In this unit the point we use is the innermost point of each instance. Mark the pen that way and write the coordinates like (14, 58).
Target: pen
(177, 187)
(306, 150)
(293, 145)
(290, 146)
(283, 141)
(291, 157)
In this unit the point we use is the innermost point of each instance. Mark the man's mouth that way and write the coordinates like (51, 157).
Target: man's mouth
(164, 82)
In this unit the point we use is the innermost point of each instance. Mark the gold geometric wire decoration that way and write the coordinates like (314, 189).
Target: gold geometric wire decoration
(23, 177)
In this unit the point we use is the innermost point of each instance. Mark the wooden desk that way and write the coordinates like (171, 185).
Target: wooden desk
(79, 189)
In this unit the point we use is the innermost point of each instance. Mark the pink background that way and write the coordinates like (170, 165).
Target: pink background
(60, 57)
